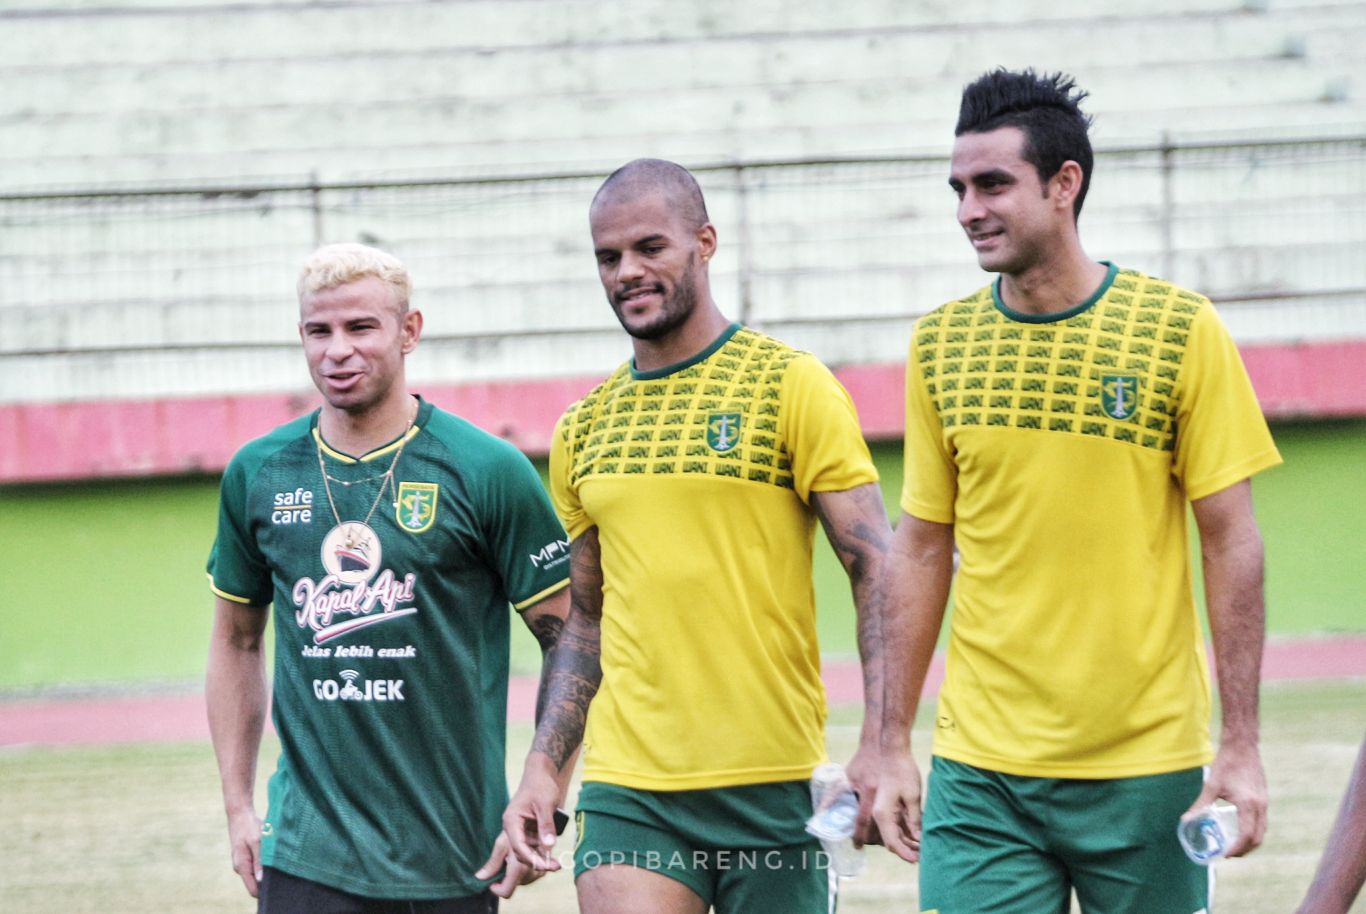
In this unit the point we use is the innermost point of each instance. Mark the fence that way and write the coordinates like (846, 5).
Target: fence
(182, 290)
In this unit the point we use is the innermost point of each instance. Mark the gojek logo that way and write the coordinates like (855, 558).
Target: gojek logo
(348, 690)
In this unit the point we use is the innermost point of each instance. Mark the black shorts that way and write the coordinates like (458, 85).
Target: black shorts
(282, 893)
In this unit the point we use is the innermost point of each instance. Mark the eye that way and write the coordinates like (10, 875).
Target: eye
(607, 260)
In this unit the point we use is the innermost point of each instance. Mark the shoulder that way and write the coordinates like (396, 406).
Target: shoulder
(958, 312)
(1155, 294)
(251, 456)
(580, 415)
(769, 362)
(475, 446)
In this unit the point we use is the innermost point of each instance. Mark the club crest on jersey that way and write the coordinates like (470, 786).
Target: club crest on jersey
(415, 509)
(723, 431)
(1119, 395)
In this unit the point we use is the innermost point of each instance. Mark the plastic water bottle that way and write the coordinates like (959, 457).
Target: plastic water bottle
(1208, 836)
(834, 812)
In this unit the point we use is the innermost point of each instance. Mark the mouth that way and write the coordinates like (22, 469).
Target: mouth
(342, 380)
(984, 239)
(638, 295)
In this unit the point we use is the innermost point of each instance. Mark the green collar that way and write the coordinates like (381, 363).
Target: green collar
(679, 366)
(1024, 318)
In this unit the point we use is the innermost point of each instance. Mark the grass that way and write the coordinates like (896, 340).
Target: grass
(106, 580)
(128, 829)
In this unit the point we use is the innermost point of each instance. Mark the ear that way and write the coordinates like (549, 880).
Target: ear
(412, 330)
(1065, 185)
(706, 241)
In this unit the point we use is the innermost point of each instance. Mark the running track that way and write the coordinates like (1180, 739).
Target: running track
(176, 718)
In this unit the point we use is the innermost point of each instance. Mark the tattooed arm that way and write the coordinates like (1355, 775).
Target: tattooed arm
(546, 621)
(569, 683)
(855, 522)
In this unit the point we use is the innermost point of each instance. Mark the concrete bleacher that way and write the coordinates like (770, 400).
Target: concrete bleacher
(150, 297)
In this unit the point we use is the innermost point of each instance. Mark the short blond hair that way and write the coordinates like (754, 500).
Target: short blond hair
(335, 265)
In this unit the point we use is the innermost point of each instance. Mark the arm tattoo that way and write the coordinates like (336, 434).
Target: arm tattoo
(547, 630)
(575, 663)
(855, 523)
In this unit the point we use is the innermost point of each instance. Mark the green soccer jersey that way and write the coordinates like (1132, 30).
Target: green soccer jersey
(391, 642)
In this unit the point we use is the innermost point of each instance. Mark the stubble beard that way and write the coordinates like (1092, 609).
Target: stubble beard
(674, 310)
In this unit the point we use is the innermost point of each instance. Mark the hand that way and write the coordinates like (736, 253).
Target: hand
(862, 772)
(244, 842)
(529, 820)
(517, 873)
(1236, 776)
(896, 809)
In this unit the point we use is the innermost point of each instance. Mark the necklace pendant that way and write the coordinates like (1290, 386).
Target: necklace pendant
(351, 551)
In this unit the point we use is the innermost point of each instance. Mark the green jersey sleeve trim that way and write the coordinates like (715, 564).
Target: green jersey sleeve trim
(536, 598)
(679, 366)
(225, 595)
(1024, 318)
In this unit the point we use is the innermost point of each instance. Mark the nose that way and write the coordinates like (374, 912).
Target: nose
(339, 346)
(970, 208)
(631, 268)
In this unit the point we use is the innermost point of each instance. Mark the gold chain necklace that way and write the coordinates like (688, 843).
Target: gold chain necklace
(386, 478)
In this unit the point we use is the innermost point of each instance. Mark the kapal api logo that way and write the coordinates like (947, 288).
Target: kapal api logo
(355, 592)
(351, 551)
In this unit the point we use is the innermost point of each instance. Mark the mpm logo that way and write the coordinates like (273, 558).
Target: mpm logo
(551, 554)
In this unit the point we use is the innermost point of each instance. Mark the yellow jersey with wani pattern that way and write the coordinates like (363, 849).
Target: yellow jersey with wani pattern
(1063, 448)
(698, 478)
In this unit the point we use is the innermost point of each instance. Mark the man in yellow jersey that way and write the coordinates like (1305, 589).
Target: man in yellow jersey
(1058, 421)
(690, 482)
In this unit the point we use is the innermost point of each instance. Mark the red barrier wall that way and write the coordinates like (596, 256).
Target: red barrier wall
(109, 438)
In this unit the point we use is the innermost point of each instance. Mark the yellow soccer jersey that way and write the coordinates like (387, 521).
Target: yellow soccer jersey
(1063, 449)
(698, 477)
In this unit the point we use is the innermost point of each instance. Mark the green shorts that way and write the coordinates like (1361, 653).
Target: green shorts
(740, 849)
(1020, 845)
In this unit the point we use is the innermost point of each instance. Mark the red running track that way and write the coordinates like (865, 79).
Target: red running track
(177, 718)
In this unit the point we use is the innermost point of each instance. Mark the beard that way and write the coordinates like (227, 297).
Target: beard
(674, 311)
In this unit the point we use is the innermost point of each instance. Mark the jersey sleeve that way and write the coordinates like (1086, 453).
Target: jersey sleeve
(524, 537)
(1222, 437)
(237, 570)
(562, 490)
(822, 431)
(930, 476)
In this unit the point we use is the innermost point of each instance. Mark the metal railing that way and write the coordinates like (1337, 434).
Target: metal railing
(145, 291)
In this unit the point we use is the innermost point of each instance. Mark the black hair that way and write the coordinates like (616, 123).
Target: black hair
(1046, 108)
(642, 176)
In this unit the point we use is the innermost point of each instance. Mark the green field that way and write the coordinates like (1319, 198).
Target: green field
(105, 581)
(129, 829)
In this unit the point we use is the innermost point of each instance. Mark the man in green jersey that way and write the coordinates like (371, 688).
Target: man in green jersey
(1058, 423)
(690, 482)
(390, 536)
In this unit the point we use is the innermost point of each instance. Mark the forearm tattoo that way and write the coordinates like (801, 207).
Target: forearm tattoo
(855, 522)
(547, 629)
(575, 662)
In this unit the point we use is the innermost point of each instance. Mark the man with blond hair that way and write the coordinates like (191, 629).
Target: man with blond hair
(391, 537)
